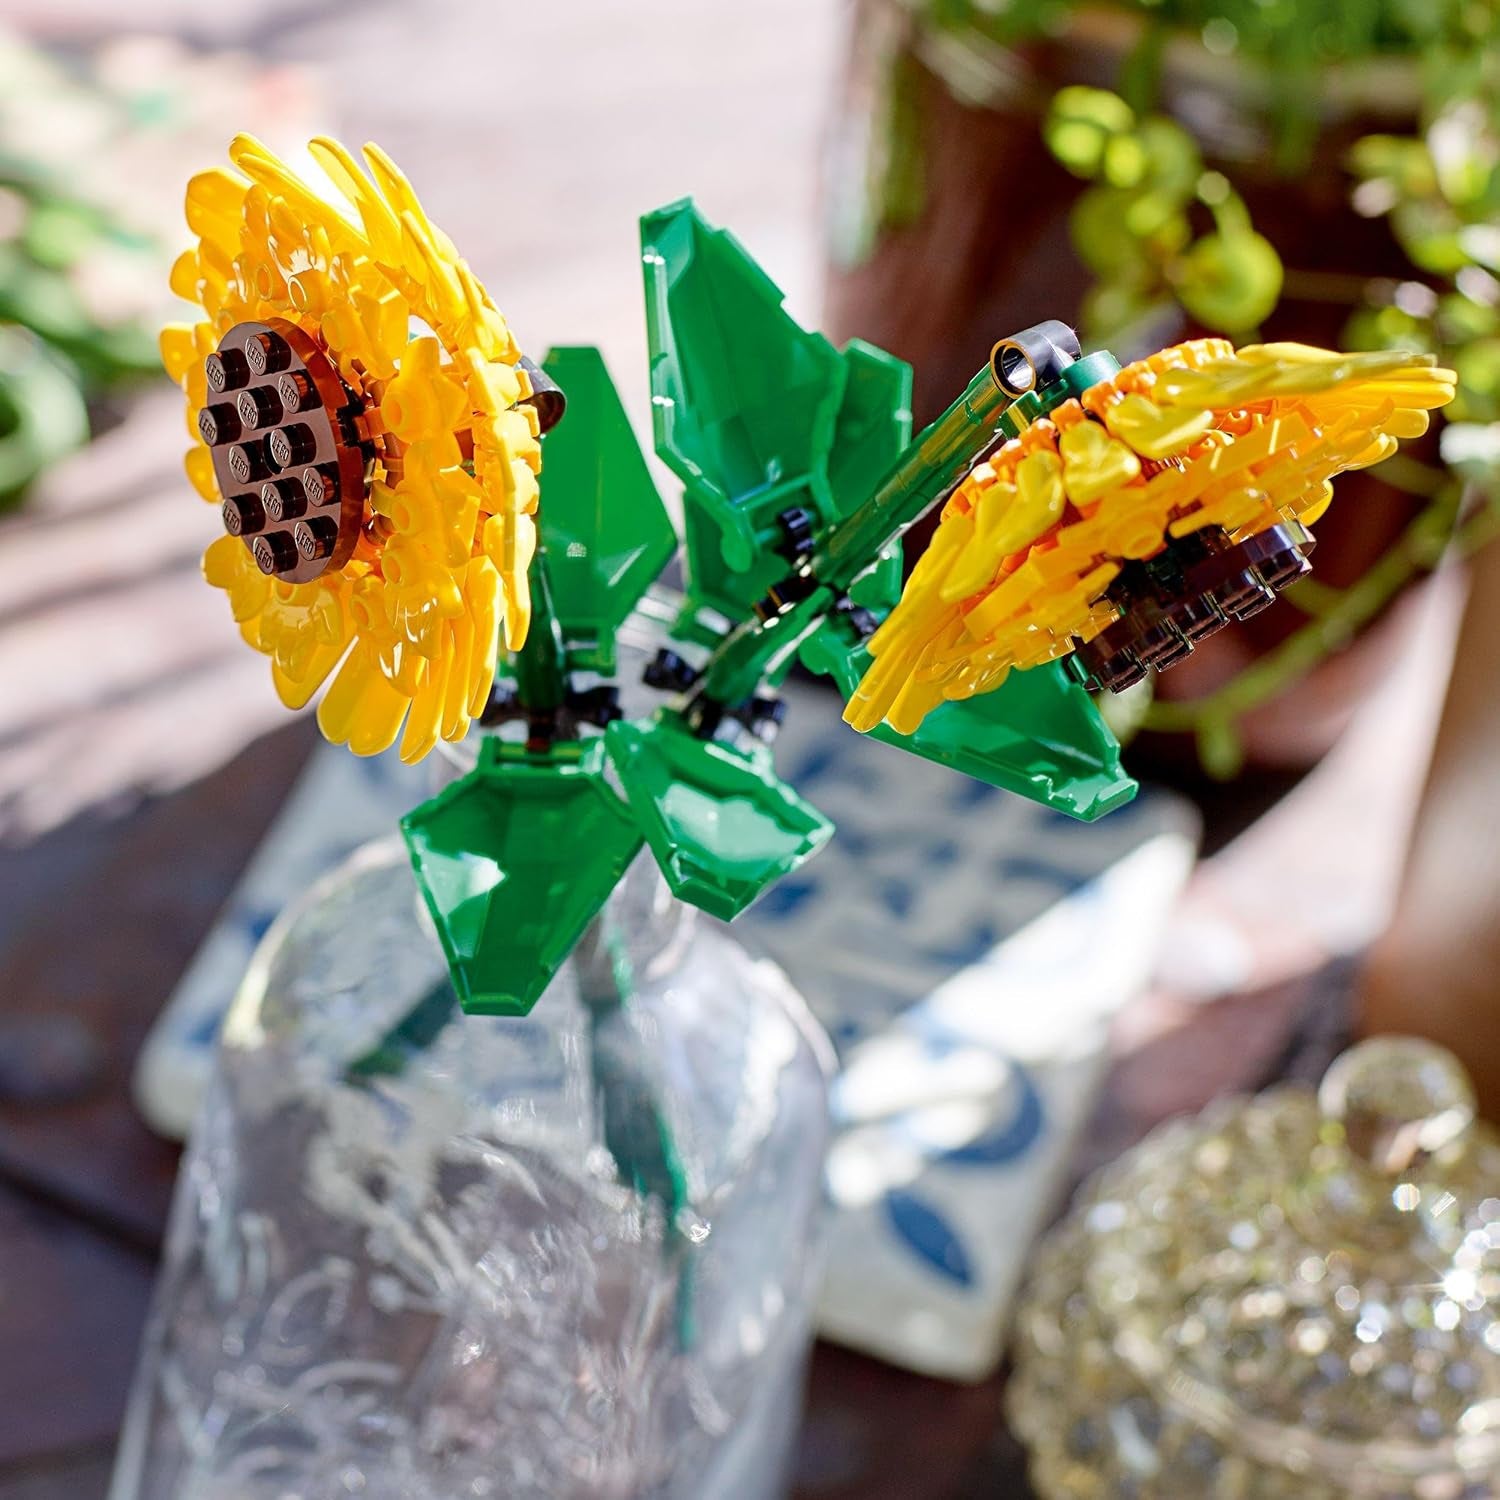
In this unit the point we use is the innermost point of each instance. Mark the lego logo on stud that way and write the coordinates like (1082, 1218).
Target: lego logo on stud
(321, 484)
(259, 406)
(243, 515)
(296, 391)
(218, 424)
(317, 537)
(274, 552)
(283, 499)
(292, 445)
(266, 353)
(225, 371)
(247, 461)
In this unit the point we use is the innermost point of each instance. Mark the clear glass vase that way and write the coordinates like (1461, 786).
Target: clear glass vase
(421, 1254)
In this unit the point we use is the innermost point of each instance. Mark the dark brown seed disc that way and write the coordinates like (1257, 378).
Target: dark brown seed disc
(286, 440)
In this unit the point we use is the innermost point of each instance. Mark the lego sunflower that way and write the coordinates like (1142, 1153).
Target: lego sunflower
(1132, 521)
(361, 415)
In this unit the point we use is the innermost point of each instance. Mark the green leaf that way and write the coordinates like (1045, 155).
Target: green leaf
(507, 908)
(1111, 312)
(1397, 159)
(1038, 734)
(1431, 235)
(1230, 283)
(1220, 748)
(1125, 161)
(1387, 328)
(1094, 223)
(604, 526)
(1175, 161)
(1478, 367)
(1081, 125)
(1461, 318)
(720, 823)
(59, 233)
(1473, 450)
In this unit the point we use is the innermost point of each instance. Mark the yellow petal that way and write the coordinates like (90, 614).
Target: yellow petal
(1039, 502)
(1094, 463)
(426, 715)
(482, 591)
(361, 709)
(1152, 431)
(381, 228)
(913, 703)
(199, 464)
(259, 163)
(982, 556)
(179, 350)
(222, 561)
(297, 692)
(516, 582)
(1313, 513)
(455, 701)
(214, 205)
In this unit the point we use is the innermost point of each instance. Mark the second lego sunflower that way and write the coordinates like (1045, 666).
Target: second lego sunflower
(1138, 517)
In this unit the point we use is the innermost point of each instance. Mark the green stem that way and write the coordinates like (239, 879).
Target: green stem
(925, 471)
(636, 1129)
(541, 665)
(1324, 286)
(1140, 74)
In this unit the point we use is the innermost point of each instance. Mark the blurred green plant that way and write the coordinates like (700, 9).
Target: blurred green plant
(75, 275)
(1159, 230)
(1133, 229)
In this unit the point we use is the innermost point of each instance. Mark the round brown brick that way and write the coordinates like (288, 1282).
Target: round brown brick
(244, 515)
(283, 499)
(259, 406)
(292, 445)
(274, 552)
(219, 423)
(266, 353)
(226, 370)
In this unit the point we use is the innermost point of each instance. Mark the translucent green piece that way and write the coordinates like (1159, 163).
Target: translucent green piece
(721, 825)
(756, 415)
(1037, 734)
(602, 521)
(514, 861)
